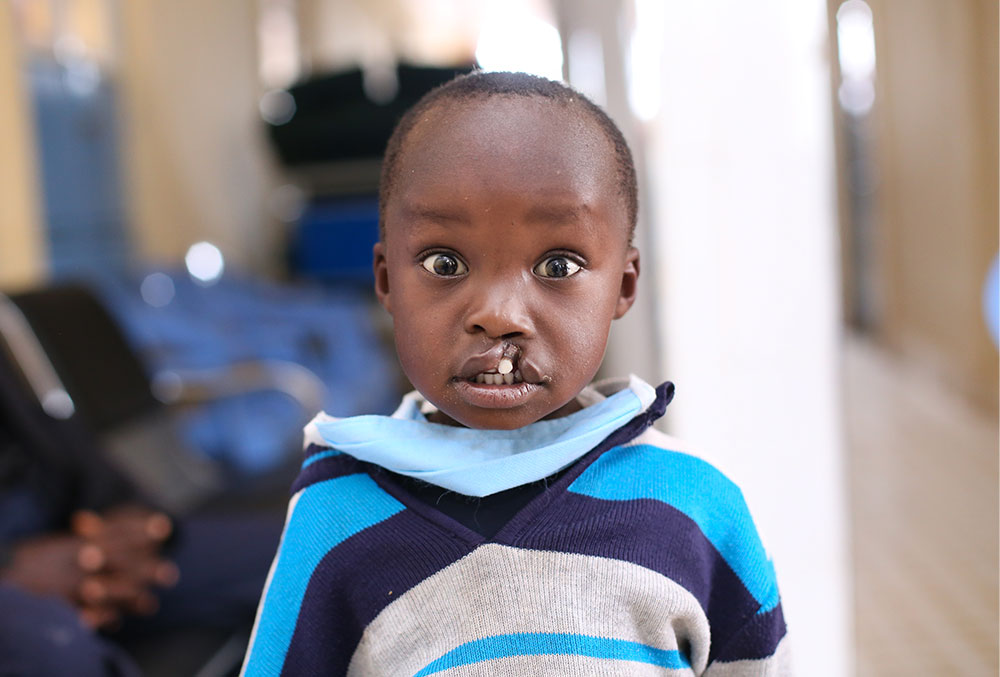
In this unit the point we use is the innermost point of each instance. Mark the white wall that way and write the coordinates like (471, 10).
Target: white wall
(741, 165)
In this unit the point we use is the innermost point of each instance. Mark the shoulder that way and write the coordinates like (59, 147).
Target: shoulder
(320, 461)
(659, 466)
(327, 471)
(333, 499)
(651, 437)
(655, 469)
(311, 434)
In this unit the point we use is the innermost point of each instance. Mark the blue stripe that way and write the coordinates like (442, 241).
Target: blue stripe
(319, 457)
(554, 644)
(317, 525)
(698, 490)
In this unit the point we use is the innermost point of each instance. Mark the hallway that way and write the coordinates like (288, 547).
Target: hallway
(923, 482)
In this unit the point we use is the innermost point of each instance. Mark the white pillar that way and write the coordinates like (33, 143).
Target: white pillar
(741, 163)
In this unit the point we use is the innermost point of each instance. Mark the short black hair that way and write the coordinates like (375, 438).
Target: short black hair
(483, 85)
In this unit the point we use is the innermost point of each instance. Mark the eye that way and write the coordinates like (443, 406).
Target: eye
(444, 265)
(556, 266)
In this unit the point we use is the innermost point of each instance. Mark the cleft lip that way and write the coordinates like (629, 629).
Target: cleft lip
(532, 373)
(488, 361)
(483, 362)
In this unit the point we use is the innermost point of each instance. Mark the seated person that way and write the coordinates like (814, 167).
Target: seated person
(86, 563)
(509, 518)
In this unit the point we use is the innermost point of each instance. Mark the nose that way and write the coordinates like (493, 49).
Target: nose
(499, 313)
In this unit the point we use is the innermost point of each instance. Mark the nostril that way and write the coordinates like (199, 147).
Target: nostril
(477, 328)
(498, 320)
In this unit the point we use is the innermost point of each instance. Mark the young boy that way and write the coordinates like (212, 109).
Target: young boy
(508, 519)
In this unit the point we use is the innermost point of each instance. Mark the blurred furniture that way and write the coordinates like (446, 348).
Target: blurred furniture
(75, 107)
(78, 365)
(336, 117)
(330, 133)
(334, 238)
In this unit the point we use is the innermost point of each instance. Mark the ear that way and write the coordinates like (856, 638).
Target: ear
(381, 270)
(630, 282)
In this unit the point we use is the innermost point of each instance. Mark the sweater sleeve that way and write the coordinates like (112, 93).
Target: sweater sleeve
(757, 646)
(760, 648)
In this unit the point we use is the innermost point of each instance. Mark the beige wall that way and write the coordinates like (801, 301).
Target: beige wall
(196, 161)
(936, 121)
(22, 252)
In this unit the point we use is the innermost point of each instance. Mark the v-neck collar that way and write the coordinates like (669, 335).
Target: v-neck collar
(527, 515)
(483, 462)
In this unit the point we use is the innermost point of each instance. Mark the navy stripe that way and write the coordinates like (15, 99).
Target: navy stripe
(312, 449)
(356, 580)
(526, 517)
(316, 526)
(758, 638)
(654, 535)
(319, 456)
(701, 492)
(318, 467)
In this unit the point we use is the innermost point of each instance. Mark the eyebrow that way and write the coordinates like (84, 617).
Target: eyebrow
(434, 214)
(557, 214)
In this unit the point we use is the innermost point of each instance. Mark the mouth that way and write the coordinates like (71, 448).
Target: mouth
(496, 395)
(500, 378)
(495, 378)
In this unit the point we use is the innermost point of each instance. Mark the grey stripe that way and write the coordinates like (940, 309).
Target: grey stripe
(498, 590)
(778, 664)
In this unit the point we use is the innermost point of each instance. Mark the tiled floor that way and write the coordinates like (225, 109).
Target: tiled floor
(923, 470)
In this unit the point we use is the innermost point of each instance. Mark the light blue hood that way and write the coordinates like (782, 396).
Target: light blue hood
(482, 462)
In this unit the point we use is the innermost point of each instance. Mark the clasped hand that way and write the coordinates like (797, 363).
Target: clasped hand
(107, 565)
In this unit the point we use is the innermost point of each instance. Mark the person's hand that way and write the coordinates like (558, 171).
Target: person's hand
(51, 564)
(107, 566)
(121, 554)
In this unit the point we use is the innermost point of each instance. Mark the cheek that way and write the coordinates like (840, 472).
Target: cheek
(420, 336)
(579, 330)
(585, 343)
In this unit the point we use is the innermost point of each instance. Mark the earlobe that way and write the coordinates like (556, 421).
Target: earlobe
(381, 271)
(630, 282)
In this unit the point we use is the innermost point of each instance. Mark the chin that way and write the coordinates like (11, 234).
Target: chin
(493, 421)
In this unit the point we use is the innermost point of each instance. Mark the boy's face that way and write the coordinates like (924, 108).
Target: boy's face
(505, 235)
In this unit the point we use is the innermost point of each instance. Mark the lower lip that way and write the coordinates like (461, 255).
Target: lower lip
(496, 396)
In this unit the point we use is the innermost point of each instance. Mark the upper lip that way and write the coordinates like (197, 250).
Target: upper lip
(488, 360)
(483, 362)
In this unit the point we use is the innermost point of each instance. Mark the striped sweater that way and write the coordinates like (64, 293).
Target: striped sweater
(639, 560)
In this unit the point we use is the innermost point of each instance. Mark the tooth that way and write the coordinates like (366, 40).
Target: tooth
(480, 378)
(508, 378)
(489, 379)
(517, 376)
(505, 366)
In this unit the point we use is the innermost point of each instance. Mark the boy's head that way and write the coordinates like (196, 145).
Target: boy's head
(507, 208)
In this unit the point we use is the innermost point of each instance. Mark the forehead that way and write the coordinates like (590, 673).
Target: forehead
(536, 150)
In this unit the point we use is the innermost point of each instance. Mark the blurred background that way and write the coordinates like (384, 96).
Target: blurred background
(193, 185)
